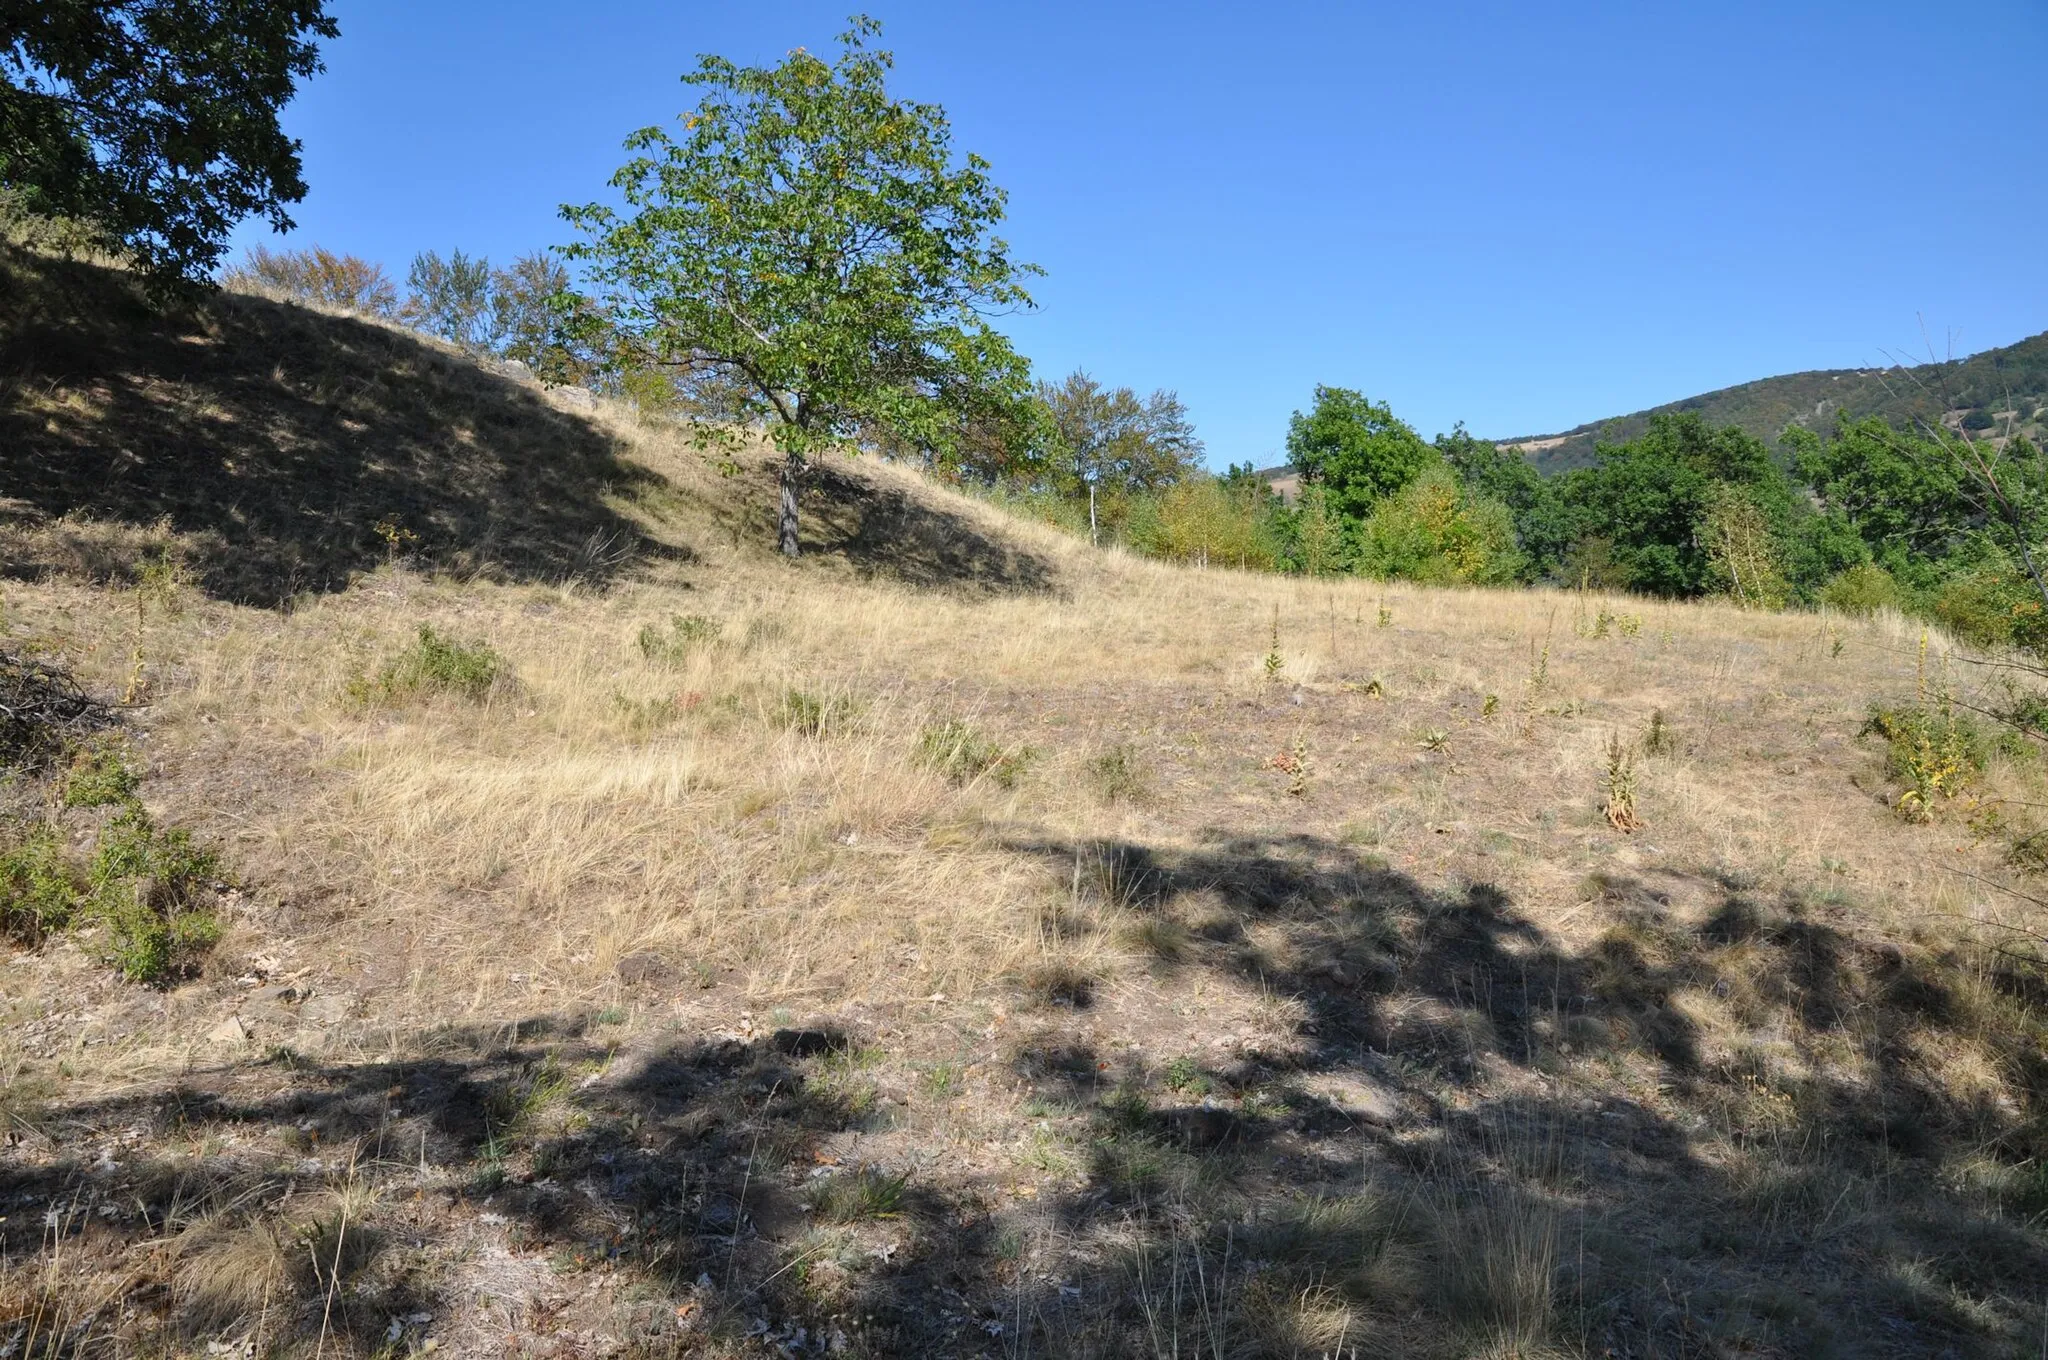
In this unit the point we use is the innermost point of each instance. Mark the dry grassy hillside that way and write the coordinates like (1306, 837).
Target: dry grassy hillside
(956, 943)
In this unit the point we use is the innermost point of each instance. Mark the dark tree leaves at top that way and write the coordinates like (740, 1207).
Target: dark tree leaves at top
(155, 120)
(814, 242)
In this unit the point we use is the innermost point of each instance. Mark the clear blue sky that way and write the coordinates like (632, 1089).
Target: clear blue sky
(1522, 216)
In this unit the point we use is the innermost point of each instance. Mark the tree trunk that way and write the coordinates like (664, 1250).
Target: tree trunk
(792, 482)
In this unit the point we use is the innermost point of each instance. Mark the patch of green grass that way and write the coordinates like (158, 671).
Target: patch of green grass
(435, 664)
(859, 1196)
(685, 633)
(962, 754)
(814, 715)
(941, 1080)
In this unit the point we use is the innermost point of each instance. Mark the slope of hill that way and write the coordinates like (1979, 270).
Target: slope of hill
(958, 942)
(1983, 386)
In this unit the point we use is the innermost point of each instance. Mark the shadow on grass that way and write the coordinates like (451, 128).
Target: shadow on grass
(274, 440)
(1477, 1138)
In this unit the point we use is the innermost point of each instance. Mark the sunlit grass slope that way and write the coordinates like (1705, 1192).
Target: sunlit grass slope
(959, 942)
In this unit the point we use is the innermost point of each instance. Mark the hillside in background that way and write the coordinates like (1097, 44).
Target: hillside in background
(1976, 390)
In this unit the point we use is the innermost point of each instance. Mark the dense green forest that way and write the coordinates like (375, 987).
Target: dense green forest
(1863, 514)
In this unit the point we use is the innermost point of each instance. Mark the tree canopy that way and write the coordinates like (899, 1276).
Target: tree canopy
(814, 241)
(1115, 439)
(1356, 447)
(156, 120)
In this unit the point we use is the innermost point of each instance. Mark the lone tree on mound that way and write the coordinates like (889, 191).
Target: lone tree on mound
(155, 120)
(812, 242)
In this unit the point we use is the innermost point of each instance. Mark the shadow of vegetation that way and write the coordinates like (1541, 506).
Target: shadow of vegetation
(884, 532)
(274, 440)
(1477, 1137)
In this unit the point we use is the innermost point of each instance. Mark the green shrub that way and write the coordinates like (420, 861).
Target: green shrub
(1435, 532)
(1863, 589)
(100, 776)
(145, 888)
(1993, 606)
(38, 894)
(814, 715)
(434, 664)
(956, 750)
(1116, 773)
(685, 631)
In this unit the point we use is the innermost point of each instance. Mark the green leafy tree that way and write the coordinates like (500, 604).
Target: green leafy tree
(1318, 532)
(1899, 494)
(1546, 524)
(157, 120)
(453, 298)
(532, 304)
(1356, 448)
(1115, 439)
(815, 242)
(1650, 498)
(1435, 531)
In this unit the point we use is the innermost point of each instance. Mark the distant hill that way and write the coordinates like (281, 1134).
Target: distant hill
(1977, 390)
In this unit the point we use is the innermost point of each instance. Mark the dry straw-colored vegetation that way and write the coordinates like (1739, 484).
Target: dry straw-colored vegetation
(960, 942)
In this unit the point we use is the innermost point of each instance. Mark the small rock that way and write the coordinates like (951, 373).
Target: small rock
(327, 1008)
(229, 1031)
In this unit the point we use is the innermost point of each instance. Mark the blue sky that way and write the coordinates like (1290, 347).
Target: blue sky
(1521, 216)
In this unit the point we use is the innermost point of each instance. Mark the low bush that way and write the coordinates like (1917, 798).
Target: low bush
(1992, 606)
(145, 890)
(1932, 749)
(1116, 773)
(685, 633)
(38, 891)
(100, 776)
(435, 664)
(812, 714)
(1862, 589)
(958, 751)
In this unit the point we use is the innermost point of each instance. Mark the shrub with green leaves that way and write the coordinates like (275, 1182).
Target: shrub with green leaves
(100, 776)
(436, 664)
(38, 890)
(1117, 774)
(1993, 606)
(685, 633)
(1933, 750)
(145, 891)
(814, 715)
(958, 751)
(1862, 589)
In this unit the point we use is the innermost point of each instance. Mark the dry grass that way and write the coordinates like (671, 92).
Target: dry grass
(1418, 1054)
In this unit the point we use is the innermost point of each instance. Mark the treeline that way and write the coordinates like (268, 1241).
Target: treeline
(514, 313)
(1862, 517)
